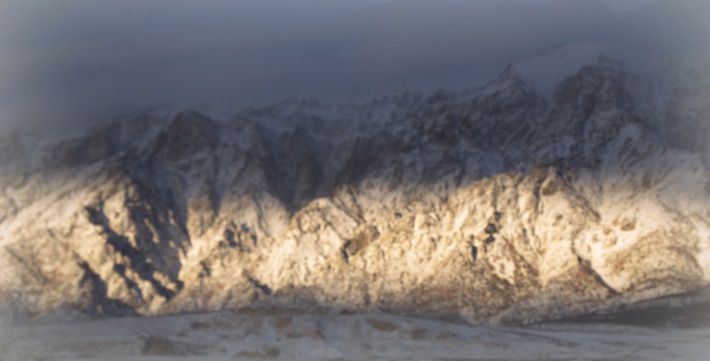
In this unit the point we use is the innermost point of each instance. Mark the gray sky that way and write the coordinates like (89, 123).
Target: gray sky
(71, 61)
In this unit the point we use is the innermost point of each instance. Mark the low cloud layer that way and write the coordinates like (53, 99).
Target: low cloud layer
(69, 62)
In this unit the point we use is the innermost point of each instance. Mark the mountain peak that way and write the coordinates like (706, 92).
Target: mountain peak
(545, 71)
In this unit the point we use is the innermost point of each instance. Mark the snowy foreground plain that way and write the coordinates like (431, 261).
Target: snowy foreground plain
(267, 333)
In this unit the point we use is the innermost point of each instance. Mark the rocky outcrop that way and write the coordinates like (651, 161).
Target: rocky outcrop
(494, 205)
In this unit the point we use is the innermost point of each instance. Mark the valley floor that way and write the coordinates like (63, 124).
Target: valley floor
(272, 334)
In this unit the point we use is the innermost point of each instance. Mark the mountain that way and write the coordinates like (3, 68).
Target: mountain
(571, 184)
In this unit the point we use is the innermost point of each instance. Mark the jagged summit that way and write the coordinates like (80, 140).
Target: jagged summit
(499, 204)
(544, 72)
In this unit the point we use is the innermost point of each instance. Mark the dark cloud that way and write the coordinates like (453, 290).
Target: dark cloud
(73, 61)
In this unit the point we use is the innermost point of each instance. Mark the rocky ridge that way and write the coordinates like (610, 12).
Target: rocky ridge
(504, 203)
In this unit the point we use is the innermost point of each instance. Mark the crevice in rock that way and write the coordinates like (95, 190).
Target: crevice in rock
(586, 266)
(99, 303)
(345, 251)
(265, 289)
(137, 258)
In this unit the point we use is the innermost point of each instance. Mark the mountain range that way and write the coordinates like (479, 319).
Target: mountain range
(574, 183)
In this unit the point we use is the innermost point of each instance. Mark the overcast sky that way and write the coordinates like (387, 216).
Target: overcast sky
(71, 61)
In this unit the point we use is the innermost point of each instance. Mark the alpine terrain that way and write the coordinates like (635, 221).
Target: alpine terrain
(574, 184)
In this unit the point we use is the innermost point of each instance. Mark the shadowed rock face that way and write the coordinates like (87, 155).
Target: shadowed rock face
(189, 133)
(492, 206)
(97, 146)
(294, 174)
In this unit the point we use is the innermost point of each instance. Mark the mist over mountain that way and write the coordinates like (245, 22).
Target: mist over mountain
(354, 180)
(573, 183)
(78, 62)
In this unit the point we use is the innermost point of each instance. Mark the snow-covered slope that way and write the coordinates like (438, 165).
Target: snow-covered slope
(549, 193)
(297, 334)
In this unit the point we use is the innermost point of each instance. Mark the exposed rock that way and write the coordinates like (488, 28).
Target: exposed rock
(496, 205)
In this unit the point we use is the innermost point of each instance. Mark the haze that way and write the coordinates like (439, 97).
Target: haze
(66, 63)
